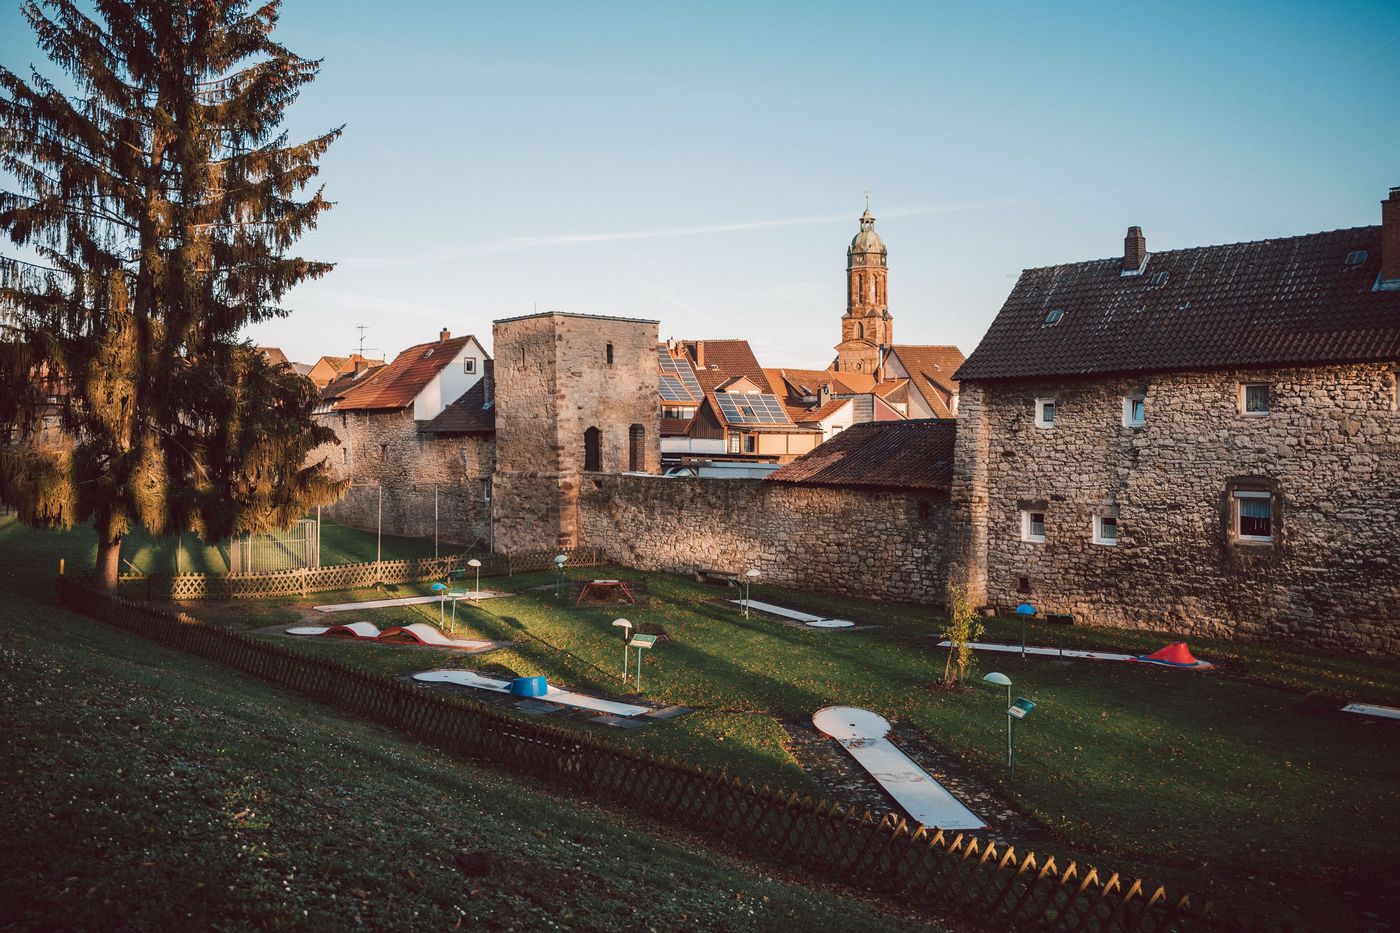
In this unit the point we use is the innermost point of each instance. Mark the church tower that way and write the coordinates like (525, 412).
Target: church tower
(866, 326)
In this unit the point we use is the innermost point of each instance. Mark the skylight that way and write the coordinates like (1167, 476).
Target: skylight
(1356, 257)
(1158, 280)
(1054, 317)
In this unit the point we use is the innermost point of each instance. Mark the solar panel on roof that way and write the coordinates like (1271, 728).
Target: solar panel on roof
(672, 390)
(746, 408)
(681, 371)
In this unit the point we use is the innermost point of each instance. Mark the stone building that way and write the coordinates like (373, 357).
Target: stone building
(412, 473)
(575, 394)
(866, 327)
(1204, 439)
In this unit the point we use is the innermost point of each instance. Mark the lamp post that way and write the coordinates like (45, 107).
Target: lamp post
(1024, 612)
(750, 575)
(477, 565)
(559, 562)
(626, 636)
(1001, 680)
(441, 590)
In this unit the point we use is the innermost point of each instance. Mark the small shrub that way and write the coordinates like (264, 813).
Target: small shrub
(963, 627)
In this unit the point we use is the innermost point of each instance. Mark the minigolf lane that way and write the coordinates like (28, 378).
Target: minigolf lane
(552, 694)
(865, 736)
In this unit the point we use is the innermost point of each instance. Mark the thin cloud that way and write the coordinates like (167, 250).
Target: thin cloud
(517, 244)
(361, 302)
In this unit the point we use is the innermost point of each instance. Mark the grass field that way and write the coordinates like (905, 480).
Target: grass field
(146, 789)
(1243, 784)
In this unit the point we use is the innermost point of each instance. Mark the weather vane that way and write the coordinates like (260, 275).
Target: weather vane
(867, 199)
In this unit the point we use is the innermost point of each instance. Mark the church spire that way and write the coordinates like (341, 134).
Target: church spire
(866, 325)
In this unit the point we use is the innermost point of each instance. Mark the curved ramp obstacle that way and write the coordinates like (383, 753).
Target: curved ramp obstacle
(864, 735)
(421, 633)
(1175, 655)
(552, 694)
(363, 631)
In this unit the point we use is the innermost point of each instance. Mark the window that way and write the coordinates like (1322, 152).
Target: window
(592, 450)
(522, 356)
(610, 354)
(1045, 413)
(469, 365)
(1105, 529)
(1254, 398)
(636, 447)
(1134, 411)
(345, 455)
(1055, 316)
(750, 444)
(383, 451)
(485, 486)
(733, 443)
(344, 419)
(1253, 515)
(1033, 526)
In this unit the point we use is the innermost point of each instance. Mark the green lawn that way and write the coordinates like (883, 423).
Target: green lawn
(142, 553)
(1241, 784)
(148, 789)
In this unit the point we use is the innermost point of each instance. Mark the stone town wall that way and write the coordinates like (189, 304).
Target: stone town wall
(1329, 448)
(385, 450)
(880, 545)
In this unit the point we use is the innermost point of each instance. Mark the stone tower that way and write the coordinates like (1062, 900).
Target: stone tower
(574, 394)
(866, 326)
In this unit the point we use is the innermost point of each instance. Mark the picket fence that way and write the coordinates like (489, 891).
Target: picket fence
(921, 866)
(302, 581)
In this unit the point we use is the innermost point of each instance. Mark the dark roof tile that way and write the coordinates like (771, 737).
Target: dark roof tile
(912, 455)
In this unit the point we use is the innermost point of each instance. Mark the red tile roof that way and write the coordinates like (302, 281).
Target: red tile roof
(824, 411)
(274, 355)
(931, 368)
(908, 455)
(725, 359)
(473, 413)
(398, 384)
(676, 427)
(337, 387)
(1268, 303)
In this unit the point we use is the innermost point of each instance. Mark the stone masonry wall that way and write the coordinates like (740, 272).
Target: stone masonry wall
(554, 381)
(880, 545)
(384, 450)
(1329, 448)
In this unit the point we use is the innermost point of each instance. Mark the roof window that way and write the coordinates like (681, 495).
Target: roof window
(1356, 257)
(1158, 280)
(1054, 317)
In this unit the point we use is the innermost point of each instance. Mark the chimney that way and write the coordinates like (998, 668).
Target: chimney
(360, 365)
(699, 354)
(823, 394)
(1390, 241)
(444, 335)
(1134, 250)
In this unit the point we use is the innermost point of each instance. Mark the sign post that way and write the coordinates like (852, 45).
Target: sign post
(1016, 711)
(639, 642)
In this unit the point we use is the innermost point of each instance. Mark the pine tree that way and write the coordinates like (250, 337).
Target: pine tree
(156, 205)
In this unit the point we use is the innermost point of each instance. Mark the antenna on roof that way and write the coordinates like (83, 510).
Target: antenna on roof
(362, 328)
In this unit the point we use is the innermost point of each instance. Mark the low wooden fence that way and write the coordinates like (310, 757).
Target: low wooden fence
(913, 864)
(338, 576)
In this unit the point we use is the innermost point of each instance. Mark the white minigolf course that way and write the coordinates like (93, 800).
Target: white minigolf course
(865, 736)
(806, 618)
(408, 601)
(552, 694)
(349, 629)
(1364, 709)
(1047, 652)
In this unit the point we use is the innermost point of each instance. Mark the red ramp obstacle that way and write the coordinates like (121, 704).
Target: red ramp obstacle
(1175, 655)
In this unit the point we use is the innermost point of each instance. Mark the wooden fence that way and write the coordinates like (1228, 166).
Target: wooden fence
(337, 576)
(924, 867)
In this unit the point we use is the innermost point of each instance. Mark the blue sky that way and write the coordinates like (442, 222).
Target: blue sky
(703, 164)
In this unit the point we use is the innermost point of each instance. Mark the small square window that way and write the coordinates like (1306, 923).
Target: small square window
(469, 365)
(1254, 398)
(1134, 411)
(1045, 413)
(1105, 529)
(1254, 515)
(1033, 526)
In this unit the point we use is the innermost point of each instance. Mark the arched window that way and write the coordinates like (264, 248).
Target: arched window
(636, 451)
(593, 450)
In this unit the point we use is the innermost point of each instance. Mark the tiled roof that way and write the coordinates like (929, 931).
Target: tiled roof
(1267, 303)
(825, 411)
(398, 384)
(912, 455)
(473, 413)
(932, 369)
(275, 356)
(676, 427)
(341, 384)
(725, 359)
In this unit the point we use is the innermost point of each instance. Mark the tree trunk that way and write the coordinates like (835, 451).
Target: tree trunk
(109, 555)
